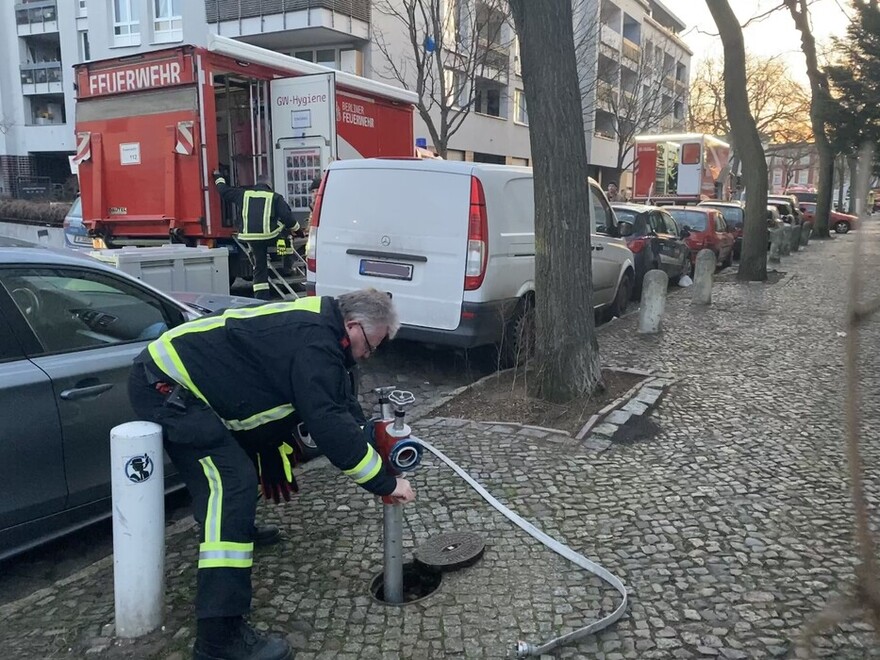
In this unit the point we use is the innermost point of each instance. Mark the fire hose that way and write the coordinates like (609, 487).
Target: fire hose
(526, 649)
(402, 452)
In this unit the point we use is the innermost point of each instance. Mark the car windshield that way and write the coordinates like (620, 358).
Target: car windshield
(76, 210)
(733, 215)
(691, 219)
(625, 215)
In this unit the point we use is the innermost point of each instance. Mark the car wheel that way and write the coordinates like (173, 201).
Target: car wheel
(518, 343)
(841, 227)
(621, 300)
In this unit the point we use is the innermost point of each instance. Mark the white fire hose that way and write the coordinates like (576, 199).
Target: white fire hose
(525, 649)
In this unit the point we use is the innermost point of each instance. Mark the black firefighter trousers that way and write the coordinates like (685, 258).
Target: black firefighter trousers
(222, 481)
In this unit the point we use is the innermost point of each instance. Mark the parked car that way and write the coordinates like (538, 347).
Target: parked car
(792, 202)
(735, 216)
(655, 240)
(786, 212)
(841, 222)
(803, 195)
(69, 329)
(707, 230)
(453, 242)
(75, 234)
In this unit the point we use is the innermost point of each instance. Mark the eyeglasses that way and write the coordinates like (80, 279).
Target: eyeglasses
(370, 348)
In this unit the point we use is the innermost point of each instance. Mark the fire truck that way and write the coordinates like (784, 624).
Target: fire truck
(681, 168)
(151, 129)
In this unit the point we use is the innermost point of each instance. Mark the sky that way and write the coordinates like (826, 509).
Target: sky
(774, 35)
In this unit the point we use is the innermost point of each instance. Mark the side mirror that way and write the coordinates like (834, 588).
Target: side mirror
(624, 229)
(685, 232)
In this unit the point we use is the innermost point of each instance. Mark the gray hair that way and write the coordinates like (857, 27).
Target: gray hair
(264, 180)
(371, 308)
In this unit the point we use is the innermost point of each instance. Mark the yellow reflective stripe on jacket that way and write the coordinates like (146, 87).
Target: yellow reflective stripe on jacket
(368, 468)
(252, 422)
(267, 230)
(226, 554)
(168, 361)
(214, 510)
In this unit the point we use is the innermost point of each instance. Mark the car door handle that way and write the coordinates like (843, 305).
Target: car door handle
(598, 247)
(83, 392)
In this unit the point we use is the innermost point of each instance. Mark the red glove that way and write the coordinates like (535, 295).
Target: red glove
(275, 471)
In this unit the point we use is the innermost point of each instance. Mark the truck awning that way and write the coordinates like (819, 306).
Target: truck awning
(250, 53)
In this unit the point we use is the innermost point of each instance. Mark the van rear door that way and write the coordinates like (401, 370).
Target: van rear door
(399, 229)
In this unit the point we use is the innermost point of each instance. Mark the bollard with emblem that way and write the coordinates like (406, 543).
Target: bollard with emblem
(138, 489)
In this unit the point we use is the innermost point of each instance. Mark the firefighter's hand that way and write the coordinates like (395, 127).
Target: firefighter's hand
(403, 493)
(299, 233)
(276, 473)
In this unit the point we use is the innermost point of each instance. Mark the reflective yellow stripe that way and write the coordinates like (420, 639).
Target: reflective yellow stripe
(261, 287)
(252, 422)
(368, 468)
(225, 554)
(214, 510)
(168, 361)
(267, 230)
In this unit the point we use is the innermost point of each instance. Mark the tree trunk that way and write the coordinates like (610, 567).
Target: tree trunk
(820, 98)
(853, 163)
(567, 348)
(840, 176)
(753, 259)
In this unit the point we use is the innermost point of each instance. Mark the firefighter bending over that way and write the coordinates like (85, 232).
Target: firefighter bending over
(227, 391)
(265, 216)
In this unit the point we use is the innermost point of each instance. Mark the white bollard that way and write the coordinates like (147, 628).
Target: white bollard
(138, 486)
(704, 275)
(653, 302)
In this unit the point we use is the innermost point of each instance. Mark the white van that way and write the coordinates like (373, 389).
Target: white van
(453, 242)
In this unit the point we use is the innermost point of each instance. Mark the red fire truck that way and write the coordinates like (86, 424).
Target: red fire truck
(680, 168)
(152, 127)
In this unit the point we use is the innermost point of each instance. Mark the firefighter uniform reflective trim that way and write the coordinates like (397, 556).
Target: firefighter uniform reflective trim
(368, 468)
(225, 554)
(168, 361)
(252, 422)
(261, 287)
(214, 510)
(267, 230)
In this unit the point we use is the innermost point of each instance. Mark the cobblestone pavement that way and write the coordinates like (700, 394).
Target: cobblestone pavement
(732, 527)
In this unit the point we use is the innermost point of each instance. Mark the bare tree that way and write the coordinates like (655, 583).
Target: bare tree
(455, 51)
(753, 262)
(820, 102)
(790, 156)
(566, 344)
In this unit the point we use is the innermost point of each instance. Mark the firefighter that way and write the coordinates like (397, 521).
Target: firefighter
(227, 390)
(265, 216)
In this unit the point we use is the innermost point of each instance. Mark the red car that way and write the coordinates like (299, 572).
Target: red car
(707, 230)
(841, 222)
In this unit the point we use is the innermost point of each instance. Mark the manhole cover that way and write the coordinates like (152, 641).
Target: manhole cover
(451, 550)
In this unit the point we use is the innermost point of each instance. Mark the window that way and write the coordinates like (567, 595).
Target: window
(777, 177)
(600, 210)
(126, 24)
(167, 21)
(85, 52)
(657, 224)
(671, 226)
(522, 114)
(82, 8)
(803, 177)
(327, 57)
(488, 99)
(73, 309)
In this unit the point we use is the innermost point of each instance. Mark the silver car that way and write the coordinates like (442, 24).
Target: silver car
(69, 329)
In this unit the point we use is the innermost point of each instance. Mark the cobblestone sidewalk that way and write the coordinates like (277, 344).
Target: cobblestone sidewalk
(732, 527)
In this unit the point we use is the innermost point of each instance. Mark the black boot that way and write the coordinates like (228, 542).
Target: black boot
(232, 638)
(266, 534)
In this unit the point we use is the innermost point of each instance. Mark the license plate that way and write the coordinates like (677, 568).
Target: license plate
(389, 269)
(82, 239)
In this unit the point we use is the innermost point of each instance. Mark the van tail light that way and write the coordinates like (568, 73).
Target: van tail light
(478, 238)
(312, 243)
(636, 245)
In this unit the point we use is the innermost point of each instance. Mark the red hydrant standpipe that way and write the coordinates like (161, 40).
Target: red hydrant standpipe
(399, 454)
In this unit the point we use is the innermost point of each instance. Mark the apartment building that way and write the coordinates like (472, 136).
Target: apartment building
(45, 38)
(635, 72)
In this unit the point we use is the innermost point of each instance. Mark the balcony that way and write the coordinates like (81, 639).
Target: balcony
(36, 17)
(41, 78)
(269, 23)
(631, 50)
(606, 95)
(610, 38)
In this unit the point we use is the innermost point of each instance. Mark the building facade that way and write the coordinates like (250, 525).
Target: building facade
(45, 38)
